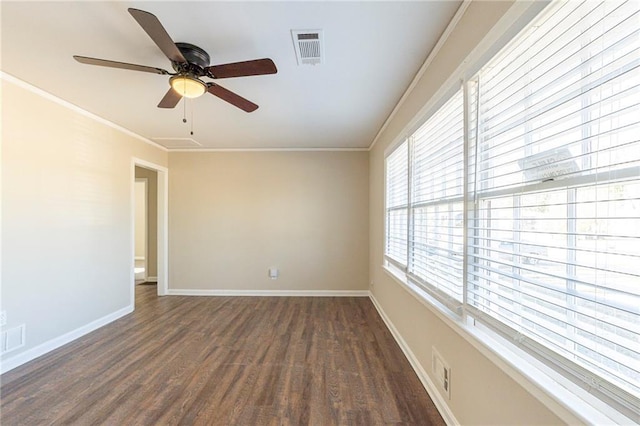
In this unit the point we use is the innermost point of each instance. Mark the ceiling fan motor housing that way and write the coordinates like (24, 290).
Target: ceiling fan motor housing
(196, 57)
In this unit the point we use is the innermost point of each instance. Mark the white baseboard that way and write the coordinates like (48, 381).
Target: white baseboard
(152, 279)
(294, 293)
(33, 353)
(428, 384)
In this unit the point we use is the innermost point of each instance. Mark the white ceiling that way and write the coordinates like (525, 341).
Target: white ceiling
(372, 52)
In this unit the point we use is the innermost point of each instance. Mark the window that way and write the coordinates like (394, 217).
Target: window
(550, 237)
(555, 241)
(425, 203)
(437, 198)
(397, 200)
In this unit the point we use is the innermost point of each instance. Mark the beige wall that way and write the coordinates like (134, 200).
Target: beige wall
(140, 225)
(152, 219)
(233, 215)
(481, 393)
(67, 235)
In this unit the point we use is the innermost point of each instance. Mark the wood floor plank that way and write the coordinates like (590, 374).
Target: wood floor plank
(224, 361)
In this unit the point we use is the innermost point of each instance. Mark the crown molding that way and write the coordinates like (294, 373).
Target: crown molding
(434, 52)
(55, 99)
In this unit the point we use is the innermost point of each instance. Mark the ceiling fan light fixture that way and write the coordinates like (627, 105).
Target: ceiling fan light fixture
(187, 86)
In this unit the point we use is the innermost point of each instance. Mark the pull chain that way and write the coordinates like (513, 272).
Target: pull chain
(184, 114)
(184, 110)
(191, 132)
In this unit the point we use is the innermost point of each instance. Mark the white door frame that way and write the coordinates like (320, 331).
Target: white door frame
(163, 225)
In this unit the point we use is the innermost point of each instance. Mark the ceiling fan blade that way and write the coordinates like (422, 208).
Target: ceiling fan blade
(152, 26)
(170, 100)
(243, 69)
(121, 65)
(232, 98)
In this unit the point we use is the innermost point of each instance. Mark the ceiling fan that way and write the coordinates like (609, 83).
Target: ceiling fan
(190, 63)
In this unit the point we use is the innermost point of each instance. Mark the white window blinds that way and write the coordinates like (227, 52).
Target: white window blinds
(554, 245)
(437, 192)
(397, 199)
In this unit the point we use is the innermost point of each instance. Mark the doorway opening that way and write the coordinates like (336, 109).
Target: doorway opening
(149, 248)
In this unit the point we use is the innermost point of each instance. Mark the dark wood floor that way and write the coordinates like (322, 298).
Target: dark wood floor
(225, 361)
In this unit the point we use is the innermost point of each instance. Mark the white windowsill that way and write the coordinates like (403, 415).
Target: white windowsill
(563, 397)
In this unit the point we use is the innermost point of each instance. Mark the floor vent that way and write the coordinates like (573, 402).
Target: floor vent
(309, 46)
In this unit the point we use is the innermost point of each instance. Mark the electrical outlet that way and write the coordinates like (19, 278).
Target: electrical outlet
(371, 285)
(274, 273)
(3, 318)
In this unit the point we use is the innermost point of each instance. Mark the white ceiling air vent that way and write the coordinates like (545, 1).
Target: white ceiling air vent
(309, 46)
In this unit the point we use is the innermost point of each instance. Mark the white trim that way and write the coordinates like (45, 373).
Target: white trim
(149, 165)
(132, 220)
(434, 52)
(268, 293)
(53, 98)
(430, 387)
(162, 262)
(139, 258)
(152, 279)
(46, 347)
(269, 150)
(562, 397)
